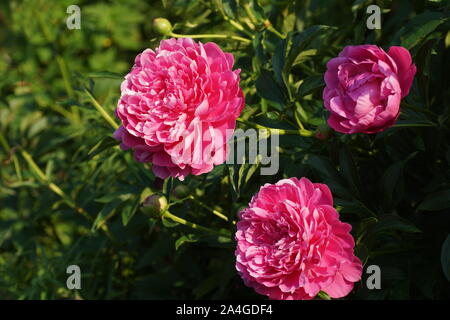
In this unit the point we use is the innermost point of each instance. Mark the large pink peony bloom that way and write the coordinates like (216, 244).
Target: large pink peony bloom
(364, 86)
(291, 244)
(179, 106)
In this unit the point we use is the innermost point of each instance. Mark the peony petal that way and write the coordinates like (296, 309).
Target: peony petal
(339, 287)
(406, 69)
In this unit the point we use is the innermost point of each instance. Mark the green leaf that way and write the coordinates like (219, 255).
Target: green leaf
(392, 185)
(233, 177)
(364, 225)
(256, 10)
(167, 187)
(353, 206)
(129, 210)
(445, 257)
(105, 213)
(301, 41)
(323, 295)
(273, 115)
(112, 196)
(230, 7)
(268, 88)
(278, 61)
(260, 57)
(418, 28)
(184, 239)
(168, 223)
(329, 175)
(101, 146)
(436, 201)
(391, 222)
(304, 55)
(309, 84)
(227, 7)
(106, 74)
(447, 40)
(349, 170)
(217, 172)
(251, 170)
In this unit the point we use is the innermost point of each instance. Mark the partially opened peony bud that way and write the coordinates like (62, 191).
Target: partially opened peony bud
(162, 26)
(292, 245)
(364, 86)
(179, 106)
(155, 205)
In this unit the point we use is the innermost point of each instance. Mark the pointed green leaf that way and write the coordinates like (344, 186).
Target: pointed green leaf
(436, 201)
(445, 257)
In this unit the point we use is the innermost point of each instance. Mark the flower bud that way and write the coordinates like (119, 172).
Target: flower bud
(155, 205)
(181, 191)
(162, 26)
(322, 132)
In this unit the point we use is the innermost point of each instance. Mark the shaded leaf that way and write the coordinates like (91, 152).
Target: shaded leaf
(392, 185)
(418, 28)
(436, 201)
(268, 88)
(102, 145)
(393, 222)
(349, 170)
(445, 257)
(129, 210)
(309, 84)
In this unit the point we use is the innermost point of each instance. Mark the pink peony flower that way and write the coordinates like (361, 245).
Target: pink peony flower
(291, 244)
(364, 86)
(179, 106)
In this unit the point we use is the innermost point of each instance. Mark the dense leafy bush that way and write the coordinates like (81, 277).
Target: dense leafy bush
(69, 195)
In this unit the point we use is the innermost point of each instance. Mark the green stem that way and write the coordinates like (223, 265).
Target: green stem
(68, 85)
(215, 212)
(237, 25)
(212, 36)
(167, 187)
(16, 162)
(297, 115)
(4, 143)
(270, 27)
(41, 175)
(250, 13)
(300, 132)
(65, 74)
(102, 111)
(195, 226)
